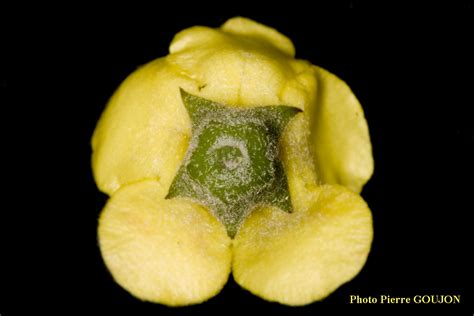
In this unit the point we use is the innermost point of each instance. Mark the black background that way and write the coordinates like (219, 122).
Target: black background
(412, 74)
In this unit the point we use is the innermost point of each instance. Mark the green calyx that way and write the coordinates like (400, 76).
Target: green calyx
(232, 163)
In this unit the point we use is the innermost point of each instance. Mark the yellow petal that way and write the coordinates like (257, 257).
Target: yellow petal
(171, 252)
(246, 27)
(144, 131)
(298, 258)
(339, 137)
(298, 162)
(243, 63)
(196, 37)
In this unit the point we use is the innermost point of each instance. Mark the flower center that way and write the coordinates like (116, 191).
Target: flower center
(230, 157)
(232, 163)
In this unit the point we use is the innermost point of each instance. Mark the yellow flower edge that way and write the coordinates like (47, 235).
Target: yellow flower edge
(299, 258)
(339, 136)
(145, 130)
(171, 252)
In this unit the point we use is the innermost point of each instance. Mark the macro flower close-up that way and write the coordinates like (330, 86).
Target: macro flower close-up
(230, 156)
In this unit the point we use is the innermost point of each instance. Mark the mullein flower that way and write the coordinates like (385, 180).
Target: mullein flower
(231, 156)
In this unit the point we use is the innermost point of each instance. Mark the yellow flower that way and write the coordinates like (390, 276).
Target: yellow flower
(176, 251)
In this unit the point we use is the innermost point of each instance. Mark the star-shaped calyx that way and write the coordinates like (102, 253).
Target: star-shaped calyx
(232, 163)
